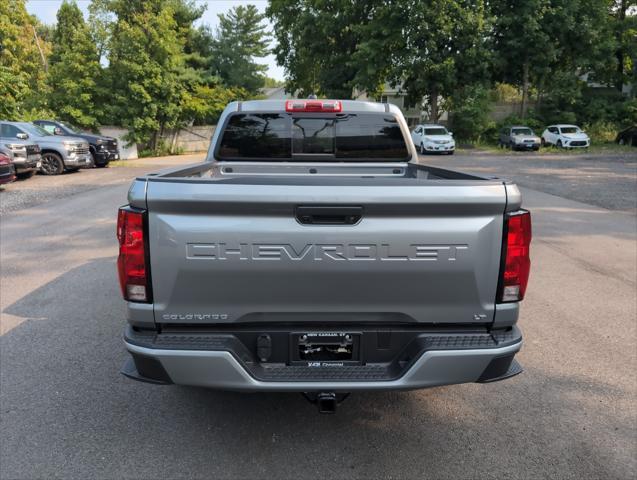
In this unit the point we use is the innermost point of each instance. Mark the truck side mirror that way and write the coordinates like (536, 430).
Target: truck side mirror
(451, 133)
(22, 136)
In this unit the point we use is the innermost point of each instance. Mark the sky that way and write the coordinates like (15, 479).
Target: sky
(46, 11)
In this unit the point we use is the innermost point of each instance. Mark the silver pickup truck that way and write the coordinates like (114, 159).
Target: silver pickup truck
(311, 252)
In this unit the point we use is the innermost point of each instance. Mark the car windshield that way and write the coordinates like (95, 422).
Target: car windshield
(522, 131)
(36, 130)
(72, 128)
(436, 131)
(570, 130)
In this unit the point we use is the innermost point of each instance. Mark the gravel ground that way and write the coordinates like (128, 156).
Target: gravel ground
(604, 180)
(41, 188)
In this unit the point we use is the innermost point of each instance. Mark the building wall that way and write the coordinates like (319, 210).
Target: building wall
(186, 140)
(125, 152)
(191, 139)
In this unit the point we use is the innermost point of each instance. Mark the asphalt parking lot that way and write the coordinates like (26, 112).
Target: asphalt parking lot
(66, 412)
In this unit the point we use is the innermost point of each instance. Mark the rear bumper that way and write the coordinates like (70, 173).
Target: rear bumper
(224, 365)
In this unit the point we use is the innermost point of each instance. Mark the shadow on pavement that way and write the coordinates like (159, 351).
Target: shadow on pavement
(67, 412)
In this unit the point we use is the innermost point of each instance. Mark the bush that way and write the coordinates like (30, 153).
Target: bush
(531, 121)
(601, 131)
(470, 109)
(161, 150)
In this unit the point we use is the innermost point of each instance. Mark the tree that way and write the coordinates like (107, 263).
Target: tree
(623, 26)
(536, 39)
(147, 65)
(74, 68)
(429, 48)
(316, 40)
(23, 60)
(240, 38)
(100, 23)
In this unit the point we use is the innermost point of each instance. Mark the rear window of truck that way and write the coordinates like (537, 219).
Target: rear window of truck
(294, 137)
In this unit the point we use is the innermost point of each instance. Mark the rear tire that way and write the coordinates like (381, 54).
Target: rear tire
(52, 164)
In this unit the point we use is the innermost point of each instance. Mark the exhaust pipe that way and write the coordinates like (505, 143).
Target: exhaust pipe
(325, 401)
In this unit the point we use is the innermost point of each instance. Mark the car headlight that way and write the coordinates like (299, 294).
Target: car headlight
(17, 149)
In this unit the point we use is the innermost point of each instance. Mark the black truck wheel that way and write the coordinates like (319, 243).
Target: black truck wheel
(52, 164)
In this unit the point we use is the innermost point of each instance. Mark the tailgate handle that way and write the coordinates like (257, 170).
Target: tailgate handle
(328, 215)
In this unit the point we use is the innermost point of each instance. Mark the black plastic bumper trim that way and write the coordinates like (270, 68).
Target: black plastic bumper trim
(501, 368)
(151, 368)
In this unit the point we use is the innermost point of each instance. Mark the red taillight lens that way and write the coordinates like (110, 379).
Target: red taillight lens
(313, 106)
(517, 262)
(131, 263)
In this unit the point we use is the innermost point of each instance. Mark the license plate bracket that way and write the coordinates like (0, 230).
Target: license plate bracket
(325, 349)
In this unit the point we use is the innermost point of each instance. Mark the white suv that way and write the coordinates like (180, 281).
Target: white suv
(433, 138)
(565, 136)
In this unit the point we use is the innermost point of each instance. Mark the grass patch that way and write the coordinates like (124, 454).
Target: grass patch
(596, 148)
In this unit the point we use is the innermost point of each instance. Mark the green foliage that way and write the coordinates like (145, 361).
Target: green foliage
(161, 149)
(507, 93)
(240, 38)
(22, 68)
(316, 40)
(205, 103)
(471, 107)
(601, 131)
(147, 65)
(272, 83)
(531, 120)
(74, 68)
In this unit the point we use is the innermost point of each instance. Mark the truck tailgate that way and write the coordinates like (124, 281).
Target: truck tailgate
(226, 253)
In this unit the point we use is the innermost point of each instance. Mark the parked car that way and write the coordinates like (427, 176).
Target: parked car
(565, 136)
(518, 137)
(58, 153)
(7, 169)
(628, 136)
(337, 261)
(24, 154)
(433, 139)
(102, 149)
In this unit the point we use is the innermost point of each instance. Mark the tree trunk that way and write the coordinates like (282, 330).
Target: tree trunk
(525, 88)
(433, 106)
(37, 43)
(619, 54)
(540, 93)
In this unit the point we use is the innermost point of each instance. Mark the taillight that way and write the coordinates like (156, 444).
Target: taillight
(516, 263)
(313, 106)
(134, 276)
